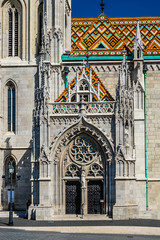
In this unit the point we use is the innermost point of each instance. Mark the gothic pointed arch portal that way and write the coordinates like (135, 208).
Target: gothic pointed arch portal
(82, 158)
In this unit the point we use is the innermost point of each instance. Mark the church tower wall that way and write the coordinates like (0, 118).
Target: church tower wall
(153, 140)
(18, 70)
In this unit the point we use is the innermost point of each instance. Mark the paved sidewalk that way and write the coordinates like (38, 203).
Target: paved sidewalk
(120, 230)
(21, 222)
(132, 227)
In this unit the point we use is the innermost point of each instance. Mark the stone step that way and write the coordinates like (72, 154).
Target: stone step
(16, 214)
(71, 217)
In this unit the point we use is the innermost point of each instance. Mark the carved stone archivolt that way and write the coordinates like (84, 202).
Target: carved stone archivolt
(62, 141)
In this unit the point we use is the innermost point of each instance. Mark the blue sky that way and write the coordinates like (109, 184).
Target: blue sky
(116, 8)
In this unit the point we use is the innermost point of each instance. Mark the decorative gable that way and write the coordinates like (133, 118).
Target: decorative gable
(97, 87)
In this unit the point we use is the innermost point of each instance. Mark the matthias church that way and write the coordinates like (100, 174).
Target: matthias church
(79, 112)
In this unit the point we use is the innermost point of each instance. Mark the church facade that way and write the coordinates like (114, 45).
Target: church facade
(79, 112)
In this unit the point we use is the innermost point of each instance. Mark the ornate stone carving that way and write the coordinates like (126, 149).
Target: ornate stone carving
(124, 167)
(105, 68)
(101, 108)
(65, 138)
(44, 153)
(83, 150)
(72, 171)
(57, 34)
(95, 170)
(67, 8)
(64, 121)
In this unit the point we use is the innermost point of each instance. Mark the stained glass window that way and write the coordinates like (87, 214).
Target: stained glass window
(11, 107)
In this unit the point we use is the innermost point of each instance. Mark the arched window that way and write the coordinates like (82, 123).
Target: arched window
(11, 107)
(84, 86)
(10, 161)
(10, 33)
(13, 31)
(40, 25)
(12, 28)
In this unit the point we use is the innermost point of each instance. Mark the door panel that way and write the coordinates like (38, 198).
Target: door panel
(73, 197)
(95, 194)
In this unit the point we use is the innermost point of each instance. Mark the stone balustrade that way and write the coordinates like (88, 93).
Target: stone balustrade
(95, 108)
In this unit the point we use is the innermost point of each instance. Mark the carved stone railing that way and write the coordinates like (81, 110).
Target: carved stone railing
(100, 108)
(65, 108)
(95, 108)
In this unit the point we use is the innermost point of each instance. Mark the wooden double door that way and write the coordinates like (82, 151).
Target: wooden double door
(94, 197)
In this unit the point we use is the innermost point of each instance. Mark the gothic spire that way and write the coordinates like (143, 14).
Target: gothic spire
(138, 38)
(138, 44)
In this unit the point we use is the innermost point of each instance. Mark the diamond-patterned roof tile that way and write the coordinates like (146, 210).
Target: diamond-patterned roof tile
(115, 33)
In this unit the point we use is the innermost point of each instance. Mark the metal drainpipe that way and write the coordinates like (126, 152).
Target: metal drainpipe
(66, 71)
(145, 113)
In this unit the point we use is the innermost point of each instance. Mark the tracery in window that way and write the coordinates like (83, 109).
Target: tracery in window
(11, 11)
(95, 171)
(83, 86)
(72, 171)
(16, 34)
(10, 33)
(13, 31)
(83, 92)
(83, 150)
(11, 107)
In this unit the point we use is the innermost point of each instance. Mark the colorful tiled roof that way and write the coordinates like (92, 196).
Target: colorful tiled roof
(109, 36)
(104, 94)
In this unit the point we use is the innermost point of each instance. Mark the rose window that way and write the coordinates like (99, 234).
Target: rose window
(83, 150)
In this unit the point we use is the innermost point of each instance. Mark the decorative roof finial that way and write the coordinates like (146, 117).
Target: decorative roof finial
(138, 34)
(102, 6)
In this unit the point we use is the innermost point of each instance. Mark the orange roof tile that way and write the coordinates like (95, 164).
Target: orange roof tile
(108, 36)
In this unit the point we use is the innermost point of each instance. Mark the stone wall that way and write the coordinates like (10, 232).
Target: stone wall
(153, 137)
(18, 144)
